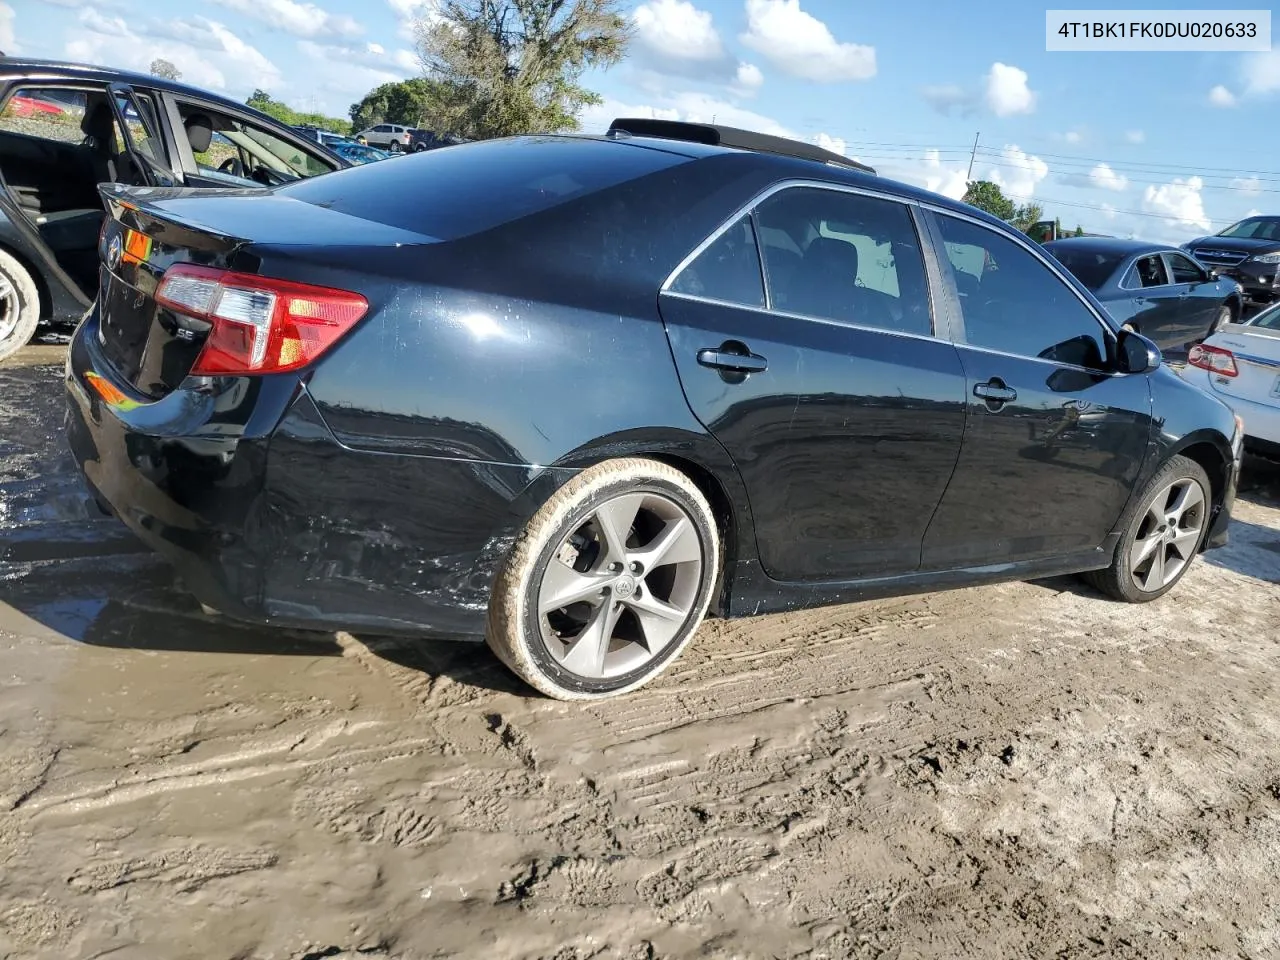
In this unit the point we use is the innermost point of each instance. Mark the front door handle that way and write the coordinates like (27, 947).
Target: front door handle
(995, 392)
(723, 359)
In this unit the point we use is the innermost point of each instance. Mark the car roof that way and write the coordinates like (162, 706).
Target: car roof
(800, 168)
(35, 69)
(1114, 245)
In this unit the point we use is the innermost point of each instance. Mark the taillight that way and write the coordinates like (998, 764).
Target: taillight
(1213, 359)
(260, 324)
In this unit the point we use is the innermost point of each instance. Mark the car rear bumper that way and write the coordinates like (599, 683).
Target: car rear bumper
(1261, 420)
(267, 518)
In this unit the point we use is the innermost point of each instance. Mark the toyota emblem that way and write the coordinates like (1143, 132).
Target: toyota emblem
(113, 252)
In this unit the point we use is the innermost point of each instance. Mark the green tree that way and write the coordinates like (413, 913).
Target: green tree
(419, 102)
(160, 67)
(263, 101)
(988, 196)
(515, 66)
(1079, 231)
(1025, 216)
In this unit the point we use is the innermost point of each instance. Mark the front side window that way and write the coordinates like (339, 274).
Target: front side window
(727, 270)
(1183, 270)
(845, 257)
(247, 151)
(1013, 303)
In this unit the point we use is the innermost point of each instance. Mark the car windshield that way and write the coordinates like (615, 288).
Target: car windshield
(1268, 319)
(1090, 267)
(1255, 228)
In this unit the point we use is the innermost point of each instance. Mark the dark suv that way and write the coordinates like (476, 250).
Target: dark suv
(1247, 252)
(570, 393)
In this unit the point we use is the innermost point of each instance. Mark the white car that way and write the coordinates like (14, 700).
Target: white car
(389, 136)
(1240, 364)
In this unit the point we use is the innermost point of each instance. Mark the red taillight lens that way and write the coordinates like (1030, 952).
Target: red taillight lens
(260, 324)
(1214, 359)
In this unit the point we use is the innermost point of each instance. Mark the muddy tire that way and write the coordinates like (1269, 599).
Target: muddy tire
(1162, 533)
(608, 582)
(19, 306)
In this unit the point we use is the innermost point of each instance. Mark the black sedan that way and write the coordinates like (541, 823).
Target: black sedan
(1159, 291)
(599, 386)
(66, 128)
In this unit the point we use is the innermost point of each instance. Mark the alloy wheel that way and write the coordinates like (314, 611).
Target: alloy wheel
(1168, 535)
(621, 586)
(10, 308)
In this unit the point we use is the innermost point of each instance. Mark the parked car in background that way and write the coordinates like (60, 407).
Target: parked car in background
(600, 385)
(361, 153)
(429, 140)
(66, 128)
(390, 136)
(1156, 290)
(1241, 364)
(1247, 252)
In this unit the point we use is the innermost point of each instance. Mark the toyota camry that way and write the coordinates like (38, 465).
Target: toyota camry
(573, 393)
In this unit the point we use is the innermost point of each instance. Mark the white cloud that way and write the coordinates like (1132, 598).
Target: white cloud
(1255, 212)
(677, 29)
(948, 98)
(748, 78)
(7, 42)
(96, 22)
(395, 65)
(1249, 186)
(1007, 92)
(932, 173)
(299, 19)
(131, 53)
(409, 11)
(1019, 173)
(1072, 136)
(1135, 136)
(828, 142)
(1103, 177)
(1179, 201)
(802, 45)
(1220, 96)
(1261, 73)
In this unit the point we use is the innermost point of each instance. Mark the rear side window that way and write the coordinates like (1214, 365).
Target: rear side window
(1148, 272)
(728, 269)
(49, 113)
(844, 257)
(489, 183)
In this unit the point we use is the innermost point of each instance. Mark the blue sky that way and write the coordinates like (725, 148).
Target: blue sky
(1158, 145)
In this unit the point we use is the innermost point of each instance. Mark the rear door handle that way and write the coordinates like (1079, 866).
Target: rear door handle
(723, 359)
(995, 391)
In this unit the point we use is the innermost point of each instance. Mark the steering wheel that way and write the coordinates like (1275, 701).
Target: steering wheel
(233, 166)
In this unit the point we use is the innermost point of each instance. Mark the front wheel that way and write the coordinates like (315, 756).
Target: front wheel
(19, 306)
(608, 582)
(1162, 533)
(1224, 315)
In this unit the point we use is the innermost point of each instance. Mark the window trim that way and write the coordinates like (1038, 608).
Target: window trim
(923, 237)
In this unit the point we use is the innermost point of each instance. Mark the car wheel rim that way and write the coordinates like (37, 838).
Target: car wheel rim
(10, 308)
(1168, 535)
(621, 587)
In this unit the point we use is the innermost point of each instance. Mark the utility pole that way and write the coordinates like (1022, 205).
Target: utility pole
(969, 176)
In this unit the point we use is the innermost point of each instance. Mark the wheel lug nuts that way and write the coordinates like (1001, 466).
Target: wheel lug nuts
(636, 567)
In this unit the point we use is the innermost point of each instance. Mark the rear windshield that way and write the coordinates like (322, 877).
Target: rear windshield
(457, 191)
(1089, 266)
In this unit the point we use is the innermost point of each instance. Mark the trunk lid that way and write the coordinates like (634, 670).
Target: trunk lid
(1257, 356)
(152, 348)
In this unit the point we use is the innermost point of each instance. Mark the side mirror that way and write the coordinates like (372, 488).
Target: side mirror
(1213, 273)
(1137, 353)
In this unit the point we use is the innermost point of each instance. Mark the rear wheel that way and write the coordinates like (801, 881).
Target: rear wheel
(19, 306)
(1161, 535)
(395, 146)
(1225, 315)
(608, 582)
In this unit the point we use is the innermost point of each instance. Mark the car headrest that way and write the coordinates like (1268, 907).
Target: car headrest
(829, 253)
(199, 132)
(99, 125)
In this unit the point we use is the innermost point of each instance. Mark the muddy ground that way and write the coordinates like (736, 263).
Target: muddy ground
(1020, 770)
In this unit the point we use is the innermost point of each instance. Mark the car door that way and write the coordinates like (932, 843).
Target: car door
(1199, 294)
(141, 137)
(1055, 438)
(842, 409)
(1157, 304)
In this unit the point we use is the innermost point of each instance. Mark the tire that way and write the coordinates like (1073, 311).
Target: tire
(1225, 315)
(19, 306)
(395, 146)
(1123, 579)
(537, 643)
